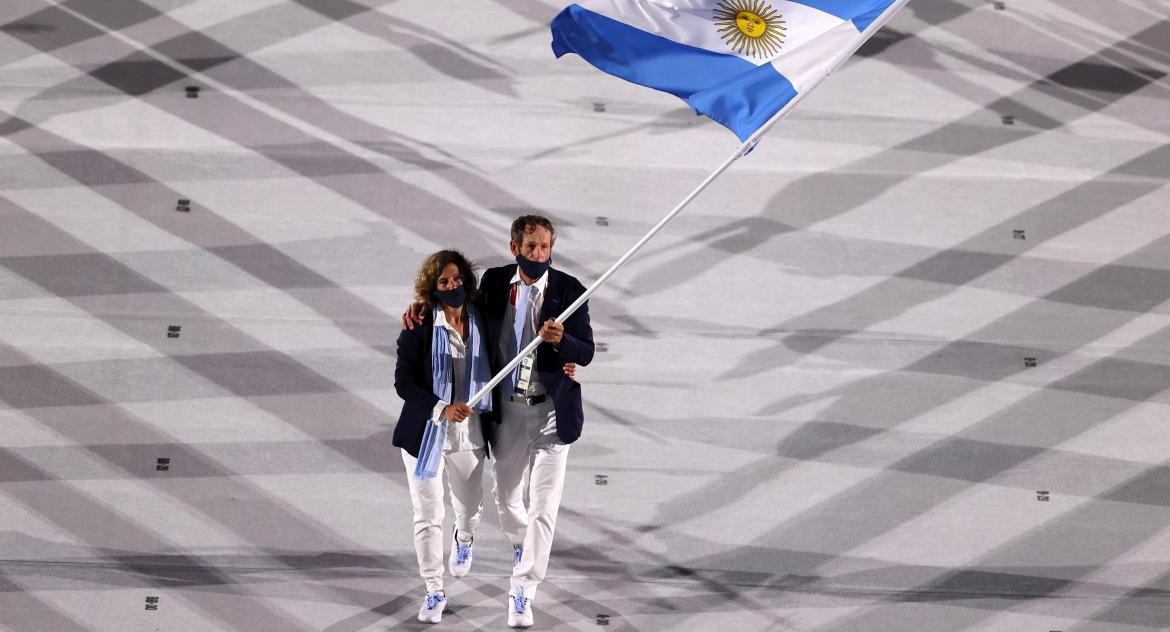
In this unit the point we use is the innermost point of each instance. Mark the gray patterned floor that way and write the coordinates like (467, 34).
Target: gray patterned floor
(816, 408)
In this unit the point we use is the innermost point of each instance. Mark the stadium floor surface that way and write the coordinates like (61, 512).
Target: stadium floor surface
(904, 367)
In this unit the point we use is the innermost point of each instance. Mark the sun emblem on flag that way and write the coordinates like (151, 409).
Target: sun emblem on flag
(750, 27)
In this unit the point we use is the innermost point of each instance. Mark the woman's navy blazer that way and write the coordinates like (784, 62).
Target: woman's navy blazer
(415, 385)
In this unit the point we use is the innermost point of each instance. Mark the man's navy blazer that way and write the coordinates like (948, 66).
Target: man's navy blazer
(576, 346)
(415, 385)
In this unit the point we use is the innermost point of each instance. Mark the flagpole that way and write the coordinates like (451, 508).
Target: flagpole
(741, 151)
(508, 368)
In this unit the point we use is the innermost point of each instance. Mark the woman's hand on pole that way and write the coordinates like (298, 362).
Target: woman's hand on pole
(457, 412)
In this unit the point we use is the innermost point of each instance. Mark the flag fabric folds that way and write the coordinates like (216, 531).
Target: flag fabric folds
(738, 62)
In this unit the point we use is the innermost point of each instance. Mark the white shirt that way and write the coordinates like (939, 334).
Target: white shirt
(536, 301)
(464, 435)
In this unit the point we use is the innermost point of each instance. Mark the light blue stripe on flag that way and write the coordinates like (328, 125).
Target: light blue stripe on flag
(729, 90)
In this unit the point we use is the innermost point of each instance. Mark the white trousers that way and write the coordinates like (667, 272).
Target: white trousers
(530, 462)
(464, 473)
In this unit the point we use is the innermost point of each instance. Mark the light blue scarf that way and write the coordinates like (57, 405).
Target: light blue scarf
(430, 454)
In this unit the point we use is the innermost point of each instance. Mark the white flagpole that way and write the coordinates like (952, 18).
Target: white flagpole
(739, 152)
(608, 273)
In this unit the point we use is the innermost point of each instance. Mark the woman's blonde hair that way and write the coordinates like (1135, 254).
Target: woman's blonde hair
(432, 268)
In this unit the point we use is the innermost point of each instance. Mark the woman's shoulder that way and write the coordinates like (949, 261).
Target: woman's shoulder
(420, 329)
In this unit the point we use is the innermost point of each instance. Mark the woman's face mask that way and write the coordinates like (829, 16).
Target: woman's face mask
(449, 287)
(451, 298)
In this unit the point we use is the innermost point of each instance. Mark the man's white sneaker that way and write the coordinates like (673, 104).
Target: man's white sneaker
(432, 608)
(460, 559)
(519, 609)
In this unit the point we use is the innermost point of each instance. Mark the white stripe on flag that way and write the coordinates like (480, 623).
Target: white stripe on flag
(806, 66)
(693, 23)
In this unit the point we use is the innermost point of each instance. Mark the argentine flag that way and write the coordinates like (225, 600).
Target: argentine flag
(737, 61)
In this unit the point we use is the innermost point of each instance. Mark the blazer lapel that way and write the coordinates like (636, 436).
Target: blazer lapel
(552, 298)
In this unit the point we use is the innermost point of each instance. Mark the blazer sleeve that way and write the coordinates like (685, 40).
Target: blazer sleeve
(408, 366)
(577, 342)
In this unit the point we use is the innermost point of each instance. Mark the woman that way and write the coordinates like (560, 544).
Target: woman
(440, 366)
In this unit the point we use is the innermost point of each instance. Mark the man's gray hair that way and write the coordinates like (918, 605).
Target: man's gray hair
(527, 223)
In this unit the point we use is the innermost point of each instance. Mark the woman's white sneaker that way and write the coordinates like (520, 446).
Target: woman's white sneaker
(460, 559)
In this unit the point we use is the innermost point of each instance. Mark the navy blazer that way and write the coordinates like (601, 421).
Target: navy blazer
(415, 385)
(577, 345)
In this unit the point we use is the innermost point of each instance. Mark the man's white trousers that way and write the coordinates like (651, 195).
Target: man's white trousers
(464, 473)
(530, 462)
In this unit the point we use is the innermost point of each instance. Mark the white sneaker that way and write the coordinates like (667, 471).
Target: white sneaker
(519, 609)
(460, 559)
(432, 608)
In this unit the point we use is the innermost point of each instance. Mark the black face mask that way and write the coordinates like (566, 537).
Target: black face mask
(451, 298)
(533, 269)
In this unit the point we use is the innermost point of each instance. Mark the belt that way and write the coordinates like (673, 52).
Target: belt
(528, 400)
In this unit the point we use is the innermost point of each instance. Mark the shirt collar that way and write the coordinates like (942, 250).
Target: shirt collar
(540, 284)
(441, 321)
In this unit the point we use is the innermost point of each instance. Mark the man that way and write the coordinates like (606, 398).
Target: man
(540, 407)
